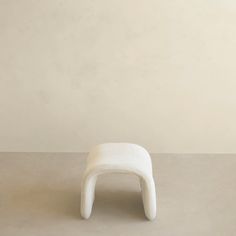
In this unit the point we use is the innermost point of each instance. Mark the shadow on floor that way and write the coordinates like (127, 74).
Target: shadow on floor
(120, 204)
(47, 202)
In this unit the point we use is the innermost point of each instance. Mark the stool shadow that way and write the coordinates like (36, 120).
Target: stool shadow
(59, 203)
(119, 204)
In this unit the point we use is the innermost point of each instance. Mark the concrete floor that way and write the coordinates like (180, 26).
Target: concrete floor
(40, 195)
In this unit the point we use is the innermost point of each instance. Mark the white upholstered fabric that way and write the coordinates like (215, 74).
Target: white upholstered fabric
(118, 157)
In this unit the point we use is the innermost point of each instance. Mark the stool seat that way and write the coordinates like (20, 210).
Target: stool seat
(122, 158)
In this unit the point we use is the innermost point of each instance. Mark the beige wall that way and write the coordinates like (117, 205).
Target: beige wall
(158, 73)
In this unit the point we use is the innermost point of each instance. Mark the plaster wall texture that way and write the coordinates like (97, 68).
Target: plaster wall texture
(158, 73)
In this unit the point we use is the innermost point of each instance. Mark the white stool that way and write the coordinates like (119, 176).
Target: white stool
(118, 157)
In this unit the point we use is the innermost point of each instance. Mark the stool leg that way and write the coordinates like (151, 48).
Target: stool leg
(87, 195)
(149, 197)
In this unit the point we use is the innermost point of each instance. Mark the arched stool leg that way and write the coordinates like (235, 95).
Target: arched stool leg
(87, 195)
(149, 197)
